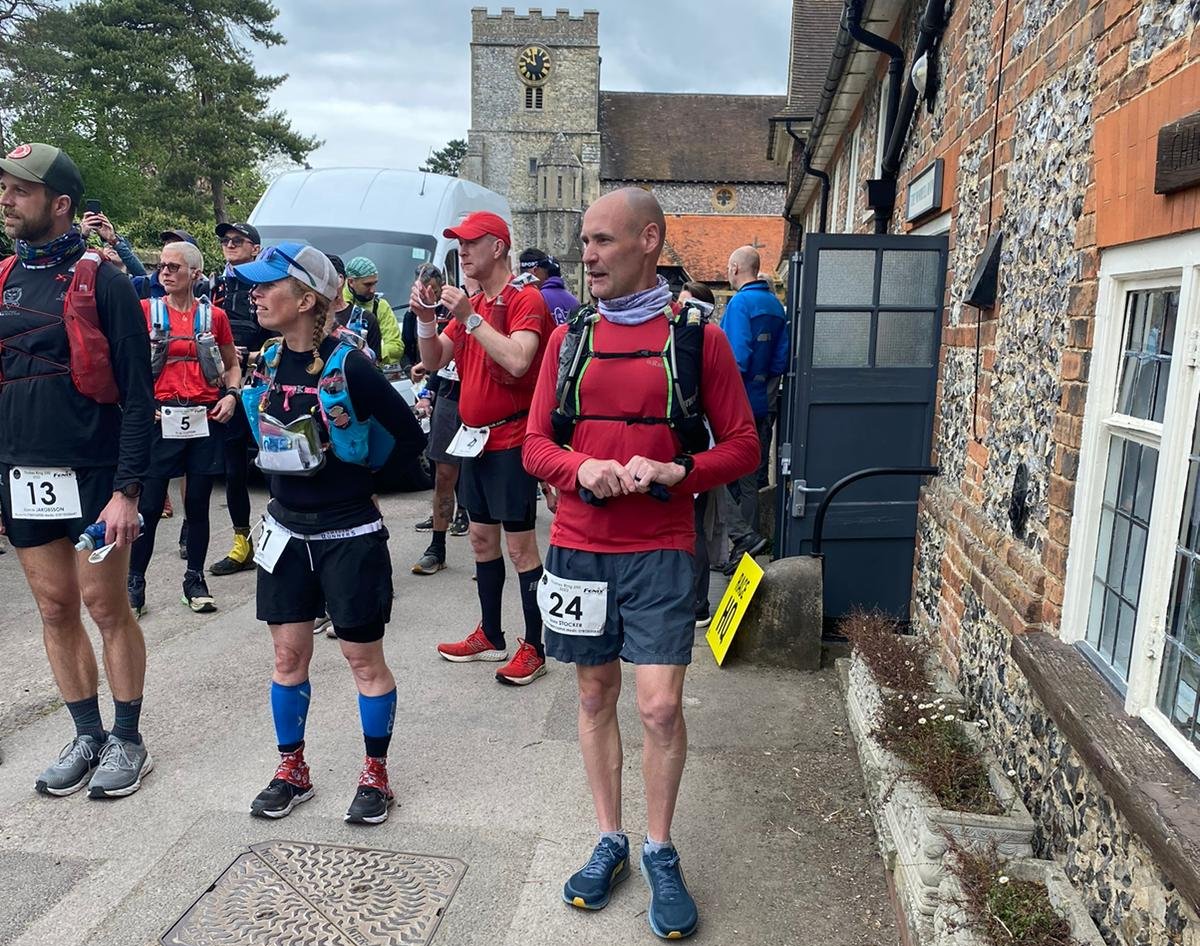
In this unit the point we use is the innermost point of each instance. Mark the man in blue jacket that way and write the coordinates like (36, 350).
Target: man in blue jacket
(755, 324)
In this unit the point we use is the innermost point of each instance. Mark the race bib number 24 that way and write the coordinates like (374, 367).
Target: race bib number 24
(578, 608)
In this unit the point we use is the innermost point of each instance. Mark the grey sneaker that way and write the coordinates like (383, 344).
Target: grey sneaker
(430, 563)
(75, 764)
(122, 765)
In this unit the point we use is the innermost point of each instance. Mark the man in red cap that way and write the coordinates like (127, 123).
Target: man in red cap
(496, 339)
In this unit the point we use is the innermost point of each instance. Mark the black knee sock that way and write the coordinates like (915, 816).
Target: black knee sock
(533, 615)
(490, 579)
(86, 715)
(439, 542)
(128, 716)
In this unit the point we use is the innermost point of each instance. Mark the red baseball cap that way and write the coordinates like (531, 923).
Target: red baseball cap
(478, 224)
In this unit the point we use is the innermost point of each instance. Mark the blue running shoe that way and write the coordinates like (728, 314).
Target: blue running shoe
(590, 887)
(672, 911)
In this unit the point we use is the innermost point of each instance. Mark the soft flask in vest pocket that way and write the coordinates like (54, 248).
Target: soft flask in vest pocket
(353, 441)
(293, 448)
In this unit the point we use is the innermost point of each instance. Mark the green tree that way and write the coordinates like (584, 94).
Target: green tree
(162, 90)
(446, 160)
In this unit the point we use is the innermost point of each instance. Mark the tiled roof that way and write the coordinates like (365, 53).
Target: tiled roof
(720, 139)
(814, 30)
(701, 243)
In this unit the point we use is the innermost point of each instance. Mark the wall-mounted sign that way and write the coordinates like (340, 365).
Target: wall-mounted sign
(1178, 162)
(924, 192)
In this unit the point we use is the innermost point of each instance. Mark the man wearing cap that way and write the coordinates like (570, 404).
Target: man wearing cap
(346, 312)
(362, 277)
(240, 243)
(559, 300)
(496, 339)
(74, 447)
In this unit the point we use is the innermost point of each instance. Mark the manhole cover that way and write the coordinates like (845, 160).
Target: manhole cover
(289, 892)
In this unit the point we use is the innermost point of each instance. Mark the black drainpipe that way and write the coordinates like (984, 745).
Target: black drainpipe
(854, 11)
(932, 25)
(821, 176)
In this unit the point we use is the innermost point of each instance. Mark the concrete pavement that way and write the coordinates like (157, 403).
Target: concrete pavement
(775, 842)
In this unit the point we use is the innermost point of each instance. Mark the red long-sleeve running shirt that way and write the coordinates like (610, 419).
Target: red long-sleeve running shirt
(637, 387)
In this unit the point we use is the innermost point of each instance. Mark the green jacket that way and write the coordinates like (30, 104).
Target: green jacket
(389, 328)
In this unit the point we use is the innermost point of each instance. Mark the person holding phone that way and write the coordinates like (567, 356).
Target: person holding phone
(196, 399)
(94, 221)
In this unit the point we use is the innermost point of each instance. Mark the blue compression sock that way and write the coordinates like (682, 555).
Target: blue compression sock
(289, 709)
(378, 714)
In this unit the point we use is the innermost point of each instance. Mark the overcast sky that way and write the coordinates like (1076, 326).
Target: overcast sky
(383, 82)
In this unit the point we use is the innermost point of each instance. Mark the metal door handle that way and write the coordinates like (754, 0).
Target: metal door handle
(799, 489)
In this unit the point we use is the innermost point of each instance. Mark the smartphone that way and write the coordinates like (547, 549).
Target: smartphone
(92, 206)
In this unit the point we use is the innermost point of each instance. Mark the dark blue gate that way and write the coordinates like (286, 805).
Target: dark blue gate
(865, 315)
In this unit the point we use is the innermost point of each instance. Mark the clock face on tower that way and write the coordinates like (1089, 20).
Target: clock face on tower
(533, 65)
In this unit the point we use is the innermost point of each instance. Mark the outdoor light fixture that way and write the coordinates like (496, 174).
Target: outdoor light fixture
(919, 76)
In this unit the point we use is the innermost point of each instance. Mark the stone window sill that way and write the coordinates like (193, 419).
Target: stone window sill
(1151, 789)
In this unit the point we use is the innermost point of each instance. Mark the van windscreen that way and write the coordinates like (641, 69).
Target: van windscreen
(395, 254)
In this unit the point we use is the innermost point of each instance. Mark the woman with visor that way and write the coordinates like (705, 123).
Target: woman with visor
(324, 418)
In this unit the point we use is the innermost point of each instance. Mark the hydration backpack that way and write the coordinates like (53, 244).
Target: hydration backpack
(90, 358)
(207, 351)
(682, 357)
(365, 443)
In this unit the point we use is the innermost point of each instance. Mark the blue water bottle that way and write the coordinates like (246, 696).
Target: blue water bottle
(93, 536)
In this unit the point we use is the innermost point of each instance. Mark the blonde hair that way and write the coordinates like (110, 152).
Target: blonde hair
(321, 307)
(189, 251)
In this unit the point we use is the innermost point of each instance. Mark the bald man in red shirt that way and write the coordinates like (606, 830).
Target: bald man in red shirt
(617, 584)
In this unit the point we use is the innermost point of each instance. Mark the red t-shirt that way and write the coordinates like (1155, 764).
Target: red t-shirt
(483, 400)
(183, 380)
(637, 387)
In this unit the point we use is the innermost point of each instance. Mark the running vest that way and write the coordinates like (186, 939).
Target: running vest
(357, 326)
(365, 443)
(207, 351)
(528, 381)
(90, 359)
(682, 357)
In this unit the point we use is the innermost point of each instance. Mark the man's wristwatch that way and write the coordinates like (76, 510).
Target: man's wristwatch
(687, 462)
(474, 320)
(131, 490)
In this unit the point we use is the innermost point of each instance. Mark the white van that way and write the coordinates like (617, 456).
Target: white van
(394, 217)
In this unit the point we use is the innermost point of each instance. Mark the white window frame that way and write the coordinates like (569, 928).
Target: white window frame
(835, 211)
(848, 224)
(880, 128)
(1154, 264)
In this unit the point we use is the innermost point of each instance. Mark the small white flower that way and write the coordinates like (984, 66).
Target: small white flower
(921, 720)
(1002, 879)
(983, 723)
(949, 717)
(1012, 773)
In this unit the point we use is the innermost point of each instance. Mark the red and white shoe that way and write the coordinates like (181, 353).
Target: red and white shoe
(525, 667)
(474, 647)
(373, 797)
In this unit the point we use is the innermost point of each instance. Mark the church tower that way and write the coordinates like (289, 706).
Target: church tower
(534, 136)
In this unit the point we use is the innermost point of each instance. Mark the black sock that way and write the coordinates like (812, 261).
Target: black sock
(533, 615)
(490, 579)
(126, 725)
(439, 543)
(86, 715)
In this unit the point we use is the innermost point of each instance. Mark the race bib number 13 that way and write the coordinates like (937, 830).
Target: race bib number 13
(44, 494)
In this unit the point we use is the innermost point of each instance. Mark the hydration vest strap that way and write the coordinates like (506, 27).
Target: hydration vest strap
(506, 420)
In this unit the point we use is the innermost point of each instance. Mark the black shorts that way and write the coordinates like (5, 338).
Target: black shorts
(95, 490)
(350, 579)
(203, 456)
(494, 487)
(443, 425)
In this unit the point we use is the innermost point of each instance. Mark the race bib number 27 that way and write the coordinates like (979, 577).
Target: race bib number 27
(44, 494)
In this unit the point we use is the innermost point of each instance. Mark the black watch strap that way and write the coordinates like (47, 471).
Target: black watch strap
(131, 490)
(685, 460)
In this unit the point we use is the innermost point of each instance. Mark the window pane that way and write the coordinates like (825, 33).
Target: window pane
(1179, 678)
(910, 278)
(846, 277)
(1150, 317)
(904, 339)
(1121, 552)
(841, 339)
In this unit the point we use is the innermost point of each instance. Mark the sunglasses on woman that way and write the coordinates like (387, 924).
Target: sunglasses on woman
(169, 268)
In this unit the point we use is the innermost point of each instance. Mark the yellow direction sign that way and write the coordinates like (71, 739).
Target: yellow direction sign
(733, 607)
